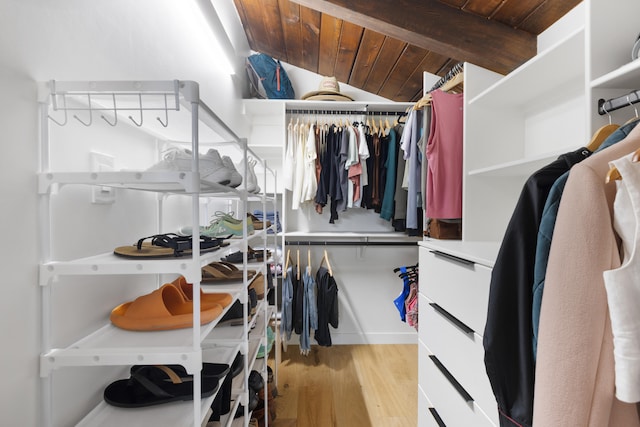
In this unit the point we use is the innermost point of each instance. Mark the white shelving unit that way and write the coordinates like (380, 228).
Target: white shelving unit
(180, 112)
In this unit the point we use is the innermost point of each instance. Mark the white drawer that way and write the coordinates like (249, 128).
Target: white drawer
(425, 408)
(461, 352)
(454, 405)
(459, 286)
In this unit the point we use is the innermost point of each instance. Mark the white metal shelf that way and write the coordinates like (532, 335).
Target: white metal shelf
(111, 345)
(173, 414)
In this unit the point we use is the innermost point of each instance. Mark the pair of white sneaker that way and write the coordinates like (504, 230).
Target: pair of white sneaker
(251, 179)
(214, 169)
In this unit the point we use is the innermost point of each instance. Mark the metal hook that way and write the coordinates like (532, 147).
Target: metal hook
(115, 113)
(606, 112)
(64, 103)
(630, 103)
(90, 113)
(166, 113)
(141, 117)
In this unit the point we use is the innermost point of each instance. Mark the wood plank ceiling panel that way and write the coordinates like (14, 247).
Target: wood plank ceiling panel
(266, 27)
(367, 53)
(484, 8)
(246, 23)
(389, 55)
(459, 4)
(546, 14)
(310, 38)
(347, 49)
(330, 30)
(514, 12)
(292, 30)
(412, 88)
(410, 59)
(385, 62)
(434, 26)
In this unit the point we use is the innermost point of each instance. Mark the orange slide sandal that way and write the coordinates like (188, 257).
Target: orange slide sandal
(163, 309)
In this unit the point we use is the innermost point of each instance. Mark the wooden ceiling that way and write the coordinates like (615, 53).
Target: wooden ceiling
(383, 46)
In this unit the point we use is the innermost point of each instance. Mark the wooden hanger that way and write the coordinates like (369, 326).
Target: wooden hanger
(325, 257)
(613, 175)
(286, 264)
(600, 135)
(453, 83)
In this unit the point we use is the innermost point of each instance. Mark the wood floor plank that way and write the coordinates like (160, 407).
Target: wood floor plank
(348, 386)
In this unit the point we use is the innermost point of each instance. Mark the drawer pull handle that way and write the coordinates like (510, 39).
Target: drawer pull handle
(436, 417)
(466, 396)
(452, 258)
(451, 318)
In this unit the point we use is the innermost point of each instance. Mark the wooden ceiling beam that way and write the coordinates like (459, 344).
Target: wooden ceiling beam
(434, 26)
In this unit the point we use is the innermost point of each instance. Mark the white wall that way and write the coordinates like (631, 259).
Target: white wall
(79, 40)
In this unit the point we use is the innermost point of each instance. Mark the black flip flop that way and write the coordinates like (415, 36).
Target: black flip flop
(215, 370)
(166, 246)
(146, 388)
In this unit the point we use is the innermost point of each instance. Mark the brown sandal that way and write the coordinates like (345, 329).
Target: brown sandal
(221, 271)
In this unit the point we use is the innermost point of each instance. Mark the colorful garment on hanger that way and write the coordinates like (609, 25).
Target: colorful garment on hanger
(444, 156)
(507, 335)
(286, 321)
(622, 285)
(545, 232)
(309, 311)
(327, 306)
(574, 377)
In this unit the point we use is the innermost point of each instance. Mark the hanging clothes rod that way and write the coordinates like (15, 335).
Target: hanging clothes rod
(605, 107)
(457, 69)
(346, 243)
(349, 112)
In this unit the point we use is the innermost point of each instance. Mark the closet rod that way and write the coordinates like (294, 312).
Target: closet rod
(347, 243)
(349, 112)
(613, 104)
(457, 69)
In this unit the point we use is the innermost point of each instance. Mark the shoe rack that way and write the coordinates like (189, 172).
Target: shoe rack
(164, 111)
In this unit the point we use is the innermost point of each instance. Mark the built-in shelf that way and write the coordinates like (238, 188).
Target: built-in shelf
(627, 76)
(521, 167)
(529, 82)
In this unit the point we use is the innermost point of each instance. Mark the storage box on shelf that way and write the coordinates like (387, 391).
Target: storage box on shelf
(109, 345)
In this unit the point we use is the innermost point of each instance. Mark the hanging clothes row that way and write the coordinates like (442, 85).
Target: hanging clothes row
(309, 303)
(559, 303)
(438, 153)
(407, 301)
(345, 162)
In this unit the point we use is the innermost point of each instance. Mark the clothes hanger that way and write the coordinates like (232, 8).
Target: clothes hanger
(600, 135)
(633, 119)
(298, 263)
(453, 82)
(613, 174)
(309, 261)
(286, 264)
(325, 257)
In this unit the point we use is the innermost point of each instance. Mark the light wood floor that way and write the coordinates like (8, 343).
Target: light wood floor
(348, 386)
